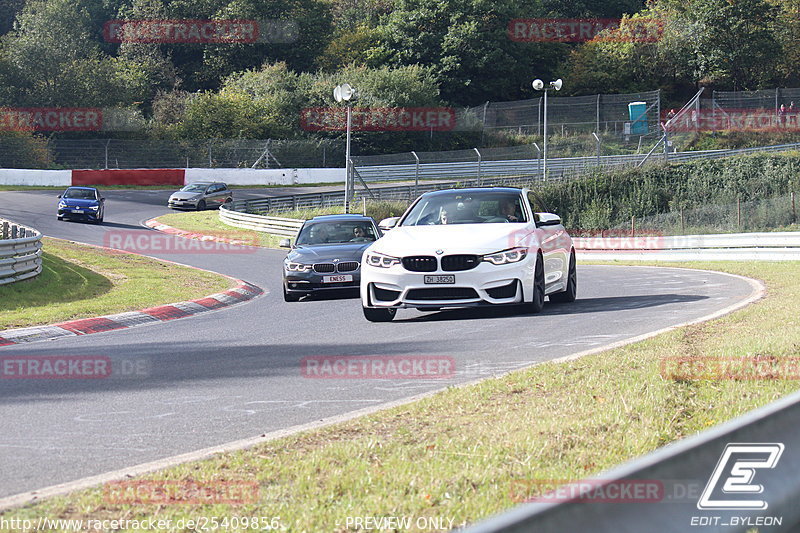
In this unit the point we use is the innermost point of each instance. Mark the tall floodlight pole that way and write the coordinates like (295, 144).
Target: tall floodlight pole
(539, 86)
(345, 93)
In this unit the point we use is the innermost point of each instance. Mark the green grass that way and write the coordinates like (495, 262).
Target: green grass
(375, 209)
(208, 223)
(80, 281)
(455, 454)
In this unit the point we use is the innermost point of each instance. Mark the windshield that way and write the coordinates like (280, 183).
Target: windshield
(481, 207)
(194, 187)
(79, 194)
(336, 233)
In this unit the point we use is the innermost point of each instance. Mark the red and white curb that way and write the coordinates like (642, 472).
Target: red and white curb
(164, 228)
(163, 313)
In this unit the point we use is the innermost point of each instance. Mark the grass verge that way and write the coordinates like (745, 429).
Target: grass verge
(79, 281)
(456, 454)
(208, 223)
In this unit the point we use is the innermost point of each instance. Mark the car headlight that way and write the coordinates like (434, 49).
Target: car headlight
(504, 257)
(297, 267)
(382, 261)
(94, 207)
(62, 205)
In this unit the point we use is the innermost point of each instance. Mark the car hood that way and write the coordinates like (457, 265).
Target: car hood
(78, 202)
(328, 252)
(454, 239)
(180, 195)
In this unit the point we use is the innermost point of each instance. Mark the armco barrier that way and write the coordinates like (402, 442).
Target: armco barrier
(685, 464)
(20, 252)
(284, 227)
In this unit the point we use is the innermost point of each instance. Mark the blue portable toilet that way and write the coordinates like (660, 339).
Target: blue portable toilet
(637, 112)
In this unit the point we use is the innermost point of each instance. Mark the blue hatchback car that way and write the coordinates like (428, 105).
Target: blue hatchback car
(81, 203)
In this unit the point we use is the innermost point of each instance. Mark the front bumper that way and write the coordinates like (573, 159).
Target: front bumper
(182, 204)
(84, 214)
(486, 284)
(312, 282)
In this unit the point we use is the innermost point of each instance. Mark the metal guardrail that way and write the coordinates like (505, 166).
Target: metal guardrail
(645, 241)
(557, 168)
(20, 252)
(470, 174)
(336, 198)
(284, 227)
(686, 464)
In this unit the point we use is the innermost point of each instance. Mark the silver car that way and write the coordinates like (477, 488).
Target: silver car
(201, 195)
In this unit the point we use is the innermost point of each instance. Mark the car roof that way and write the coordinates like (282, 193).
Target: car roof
(202, 182)
(471, 190)
(342, 217)
(83, 188)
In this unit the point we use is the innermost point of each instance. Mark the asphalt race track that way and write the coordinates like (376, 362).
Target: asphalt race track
(236, 373)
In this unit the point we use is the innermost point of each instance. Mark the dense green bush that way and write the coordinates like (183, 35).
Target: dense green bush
(603, 200)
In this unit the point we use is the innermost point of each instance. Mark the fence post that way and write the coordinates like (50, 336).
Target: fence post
(209, 153)
(597, 127)
(633, 226)
(538, 160)
(738, 213)
(683, 228)
(480, 181)
(106, 150)
(794, 212)
(596, 138)
(416, 172)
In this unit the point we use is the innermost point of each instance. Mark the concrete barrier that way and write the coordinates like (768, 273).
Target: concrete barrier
(45, 178)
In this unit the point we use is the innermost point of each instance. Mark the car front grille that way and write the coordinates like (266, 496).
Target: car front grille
(442, 293)
(420, 263)
(324, 268)
(347, 266)
(454, 263)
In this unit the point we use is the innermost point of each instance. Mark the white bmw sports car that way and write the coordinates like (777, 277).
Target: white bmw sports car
(469, 247)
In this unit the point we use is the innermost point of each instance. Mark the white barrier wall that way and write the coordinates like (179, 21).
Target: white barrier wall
(265, 176)
(52, 178)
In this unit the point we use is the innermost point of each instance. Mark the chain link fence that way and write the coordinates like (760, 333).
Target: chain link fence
(767, 214)
(212, 153)
(566, 115)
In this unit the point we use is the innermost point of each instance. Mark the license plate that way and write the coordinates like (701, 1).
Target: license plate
(451, 278)
(77, 210)
(337, 279)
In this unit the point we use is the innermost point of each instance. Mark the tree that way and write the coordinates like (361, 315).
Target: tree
(466, 44)
(52, 60)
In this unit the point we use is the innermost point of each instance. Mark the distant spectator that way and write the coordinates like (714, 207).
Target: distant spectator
(782, 116)
(671, 114)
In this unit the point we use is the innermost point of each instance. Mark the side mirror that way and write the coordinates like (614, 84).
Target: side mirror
(285, 243)
(548, 219)
(59, 196)
(102, 199)
(388, 223)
